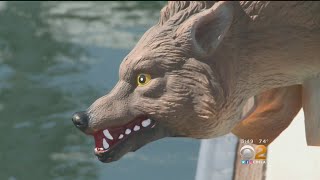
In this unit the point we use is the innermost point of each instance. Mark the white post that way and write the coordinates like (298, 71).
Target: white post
(216, 158)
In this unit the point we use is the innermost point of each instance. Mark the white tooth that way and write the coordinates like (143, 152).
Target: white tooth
(136, 128)
(146, 123)
(107, 134)
(128, 131)
(121, 136)
(105, 144)
(153, 126)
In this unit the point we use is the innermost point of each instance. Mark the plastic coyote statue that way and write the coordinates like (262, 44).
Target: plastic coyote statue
(211, 68)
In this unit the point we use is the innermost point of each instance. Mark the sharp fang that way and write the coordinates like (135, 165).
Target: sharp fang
(146, 123)
(107, 134)
(105, 144)
(136, 128)
(121, 136)
(153, 126)
(128, 131)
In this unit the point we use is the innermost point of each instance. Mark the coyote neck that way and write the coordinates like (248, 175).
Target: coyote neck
(278, 57)
(257, 61)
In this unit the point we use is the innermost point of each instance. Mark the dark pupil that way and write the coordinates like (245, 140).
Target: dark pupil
(142, 79)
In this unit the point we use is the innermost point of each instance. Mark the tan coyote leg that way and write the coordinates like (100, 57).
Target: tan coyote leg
(311, 108)
(275, 110)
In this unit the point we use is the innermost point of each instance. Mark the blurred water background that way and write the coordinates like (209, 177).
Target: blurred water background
(57, 58)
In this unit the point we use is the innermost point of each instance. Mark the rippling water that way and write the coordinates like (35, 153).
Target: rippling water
(57, 58)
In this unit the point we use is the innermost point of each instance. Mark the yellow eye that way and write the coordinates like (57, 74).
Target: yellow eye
(143, 79)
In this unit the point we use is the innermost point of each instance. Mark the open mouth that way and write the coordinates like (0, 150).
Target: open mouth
(112, 141)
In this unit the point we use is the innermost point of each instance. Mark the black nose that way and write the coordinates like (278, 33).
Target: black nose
(80, 120)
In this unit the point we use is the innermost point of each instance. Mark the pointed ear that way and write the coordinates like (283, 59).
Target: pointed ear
(205, 30)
